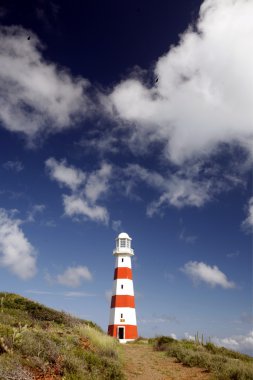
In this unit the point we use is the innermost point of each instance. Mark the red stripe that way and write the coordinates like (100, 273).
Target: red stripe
(123, 272)
(131, 331)
(122, 301)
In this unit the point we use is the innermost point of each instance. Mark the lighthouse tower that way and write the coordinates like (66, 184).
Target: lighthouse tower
(122, 324)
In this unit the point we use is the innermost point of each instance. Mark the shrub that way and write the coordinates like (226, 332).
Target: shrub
(102, 343)
(11, 369)
(225, 364)
(37, 344)
(161, 343)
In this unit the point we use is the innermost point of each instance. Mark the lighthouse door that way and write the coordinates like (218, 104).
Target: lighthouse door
(121, 333)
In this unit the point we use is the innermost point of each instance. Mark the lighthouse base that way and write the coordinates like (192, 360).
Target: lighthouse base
(124, 333)
(124, 341)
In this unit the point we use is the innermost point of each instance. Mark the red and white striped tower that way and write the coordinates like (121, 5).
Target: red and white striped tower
(122, 324)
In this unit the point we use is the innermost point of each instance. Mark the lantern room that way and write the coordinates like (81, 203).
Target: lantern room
(123, 245)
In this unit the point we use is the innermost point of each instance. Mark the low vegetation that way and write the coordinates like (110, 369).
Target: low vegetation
(37, 342)
(223, 364)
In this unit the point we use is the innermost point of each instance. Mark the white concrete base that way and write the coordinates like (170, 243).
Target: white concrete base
(123, 341)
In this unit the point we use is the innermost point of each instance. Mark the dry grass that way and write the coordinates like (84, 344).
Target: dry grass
(37, 339)
(224, 364)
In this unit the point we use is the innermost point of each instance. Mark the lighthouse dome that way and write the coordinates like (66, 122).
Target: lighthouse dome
(124, 235)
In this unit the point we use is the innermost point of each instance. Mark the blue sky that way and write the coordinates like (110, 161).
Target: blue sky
(134, 117)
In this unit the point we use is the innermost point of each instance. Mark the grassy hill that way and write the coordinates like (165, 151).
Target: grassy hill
(40, 343)
(37, 342)
(223, 364)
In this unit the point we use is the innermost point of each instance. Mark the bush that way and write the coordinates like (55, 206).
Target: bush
(225, 364)
(103, 344)
(52, 342)
(11, 369)
(37, 344)
(161, 343)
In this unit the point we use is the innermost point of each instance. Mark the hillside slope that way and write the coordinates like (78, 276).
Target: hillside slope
(221, 363)
(37, 343)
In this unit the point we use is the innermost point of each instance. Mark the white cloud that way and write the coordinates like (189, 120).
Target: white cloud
(241, 343)
(16, 252)
(232, 255)
(16, 166)
(192, 185)
(73, 276)
(159, 319)
(186, 237)
(248, 222)
(77, 205)
(36, 95)
(36, 209)
(204, 92)
(188, 336)
(64, 294)
(201, 272)
(173, 336)
(97, 182)
(182, 192)
(65, 174)
(78, 294)
(86, 189)
(116, 225)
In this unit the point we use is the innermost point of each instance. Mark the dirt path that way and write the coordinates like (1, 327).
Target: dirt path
(142, 363)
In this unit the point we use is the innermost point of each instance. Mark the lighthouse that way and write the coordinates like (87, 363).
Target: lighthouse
(122, 323)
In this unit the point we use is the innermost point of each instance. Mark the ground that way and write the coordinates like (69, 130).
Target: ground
(143, 363)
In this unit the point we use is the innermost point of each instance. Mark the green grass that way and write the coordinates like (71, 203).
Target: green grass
(222, 363)
(37, 339)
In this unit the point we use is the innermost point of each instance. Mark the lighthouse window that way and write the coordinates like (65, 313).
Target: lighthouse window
(122, 242)
(121, 286)
(121, 315)
(122, 260)
(128, 245)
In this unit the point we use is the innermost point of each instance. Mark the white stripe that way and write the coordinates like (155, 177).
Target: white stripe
(128, 288)
(129, 316)
(125, 263)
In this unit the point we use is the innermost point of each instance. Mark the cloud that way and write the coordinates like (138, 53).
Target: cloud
(47, 14)
(116, 225)
(159, 319)
(65, 174)
(16, 166)
(36, 209)
(241, 343)
(16, 252)
(76, 205)
(232, 255)
(188, 336)
(248, 222)
(192, 185)
(36, 95)
(201, 272)
(86, 189)
(203, 97)
(101, 141)
(64, 294)
(187, 238)
(79, 294)
(74, 276)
